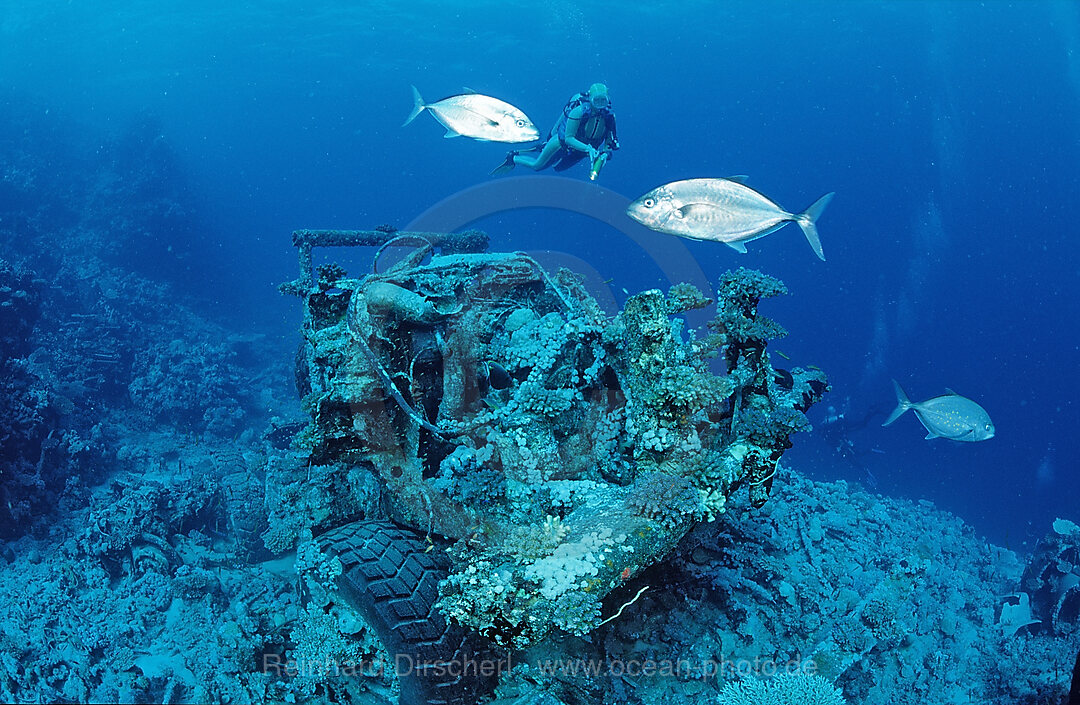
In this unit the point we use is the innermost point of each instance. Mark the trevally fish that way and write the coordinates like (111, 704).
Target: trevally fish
(948, 416)
(721, 210)
(478, 116)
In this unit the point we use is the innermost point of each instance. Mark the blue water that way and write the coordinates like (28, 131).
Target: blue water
(184, 140)
(950, 132)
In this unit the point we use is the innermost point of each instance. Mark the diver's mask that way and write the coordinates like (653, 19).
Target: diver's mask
(598, 96)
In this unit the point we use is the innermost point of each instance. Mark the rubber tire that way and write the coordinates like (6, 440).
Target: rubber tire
(391, 577)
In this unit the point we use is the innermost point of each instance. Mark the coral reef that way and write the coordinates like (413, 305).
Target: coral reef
(102, 361)
(910, 592)
(127, 550)
(486, 395)
(34, 447)
(189, 384)
(20, 301)
(145, 596)
(886, 600)
(850, 587)
(92, 352)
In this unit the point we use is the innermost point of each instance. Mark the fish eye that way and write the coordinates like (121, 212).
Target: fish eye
(648, 203)
(519, 122)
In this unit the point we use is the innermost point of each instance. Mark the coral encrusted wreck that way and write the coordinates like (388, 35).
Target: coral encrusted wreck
(549, 451)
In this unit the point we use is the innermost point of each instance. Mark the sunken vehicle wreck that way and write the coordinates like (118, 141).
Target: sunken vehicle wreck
(504, 454)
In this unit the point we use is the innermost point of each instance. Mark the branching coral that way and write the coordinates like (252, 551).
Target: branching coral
(669, 500)
(685, 297)
(737, 317)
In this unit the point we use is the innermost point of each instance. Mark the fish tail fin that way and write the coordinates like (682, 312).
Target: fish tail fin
(418, 106)
(807, 221)
(902, 404)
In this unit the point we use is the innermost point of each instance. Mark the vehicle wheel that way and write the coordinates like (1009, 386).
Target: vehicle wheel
(391, 577)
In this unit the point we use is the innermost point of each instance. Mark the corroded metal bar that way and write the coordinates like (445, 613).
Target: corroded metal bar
(306, 267)
(306, 240)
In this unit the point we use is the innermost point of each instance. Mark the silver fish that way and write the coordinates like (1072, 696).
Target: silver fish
(478, 116)
(948, 416)
(721, 210)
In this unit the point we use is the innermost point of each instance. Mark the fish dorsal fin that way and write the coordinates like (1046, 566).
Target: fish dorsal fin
(950, 392)
(470, 91)
(738, 178)
(737, 246)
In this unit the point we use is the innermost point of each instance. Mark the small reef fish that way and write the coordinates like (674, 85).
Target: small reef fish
(480, 117)
(948, 416)
(721, 210)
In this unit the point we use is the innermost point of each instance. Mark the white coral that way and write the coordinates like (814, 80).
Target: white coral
(783, 689)
(561, 571)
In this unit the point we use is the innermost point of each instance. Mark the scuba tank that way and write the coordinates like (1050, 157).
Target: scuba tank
(598, 164)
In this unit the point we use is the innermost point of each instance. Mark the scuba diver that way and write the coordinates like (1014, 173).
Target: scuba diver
(837, 428)
(585, 128)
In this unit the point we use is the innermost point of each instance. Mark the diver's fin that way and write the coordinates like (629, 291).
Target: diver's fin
(902, 404)
(807, 221)
(507, 165)
(418, 107)
(737, 246)
(738, 178)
